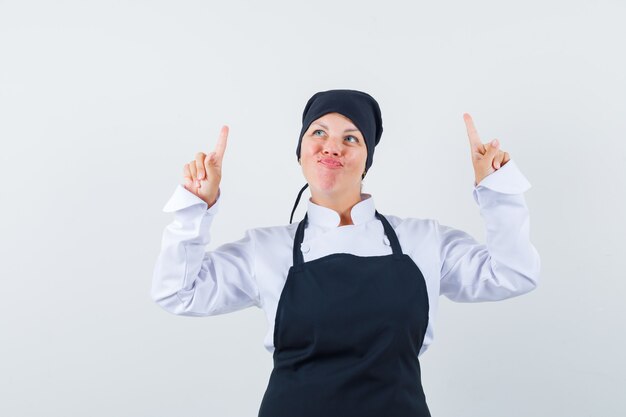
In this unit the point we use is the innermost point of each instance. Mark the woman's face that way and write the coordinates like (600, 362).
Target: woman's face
(333, 155)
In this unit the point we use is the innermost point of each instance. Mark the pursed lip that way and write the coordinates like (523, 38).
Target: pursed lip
(330, 162)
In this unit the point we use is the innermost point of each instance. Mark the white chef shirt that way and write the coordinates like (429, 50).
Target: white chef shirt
(190, 281)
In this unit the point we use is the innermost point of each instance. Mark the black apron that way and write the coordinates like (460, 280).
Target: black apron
(347, 335)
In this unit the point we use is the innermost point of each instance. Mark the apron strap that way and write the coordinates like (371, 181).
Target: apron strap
(298, 258)
(391, 235)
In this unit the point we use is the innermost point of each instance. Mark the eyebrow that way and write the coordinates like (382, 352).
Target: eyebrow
(326, 127)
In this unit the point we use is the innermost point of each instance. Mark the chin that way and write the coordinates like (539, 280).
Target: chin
(324, 186)
(329, 185)
(326, 181)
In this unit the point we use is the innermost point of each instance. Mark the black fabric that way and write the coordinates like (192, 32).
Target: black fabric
(293, 210)
(347, 335)
(358, 106)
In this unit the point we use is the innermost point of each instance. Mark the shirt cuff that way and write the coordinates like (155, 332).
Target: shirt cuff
(508, 179)
(183, 198)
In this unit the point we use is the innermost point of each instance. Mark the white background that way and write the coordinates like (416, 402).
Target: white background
(102, 103)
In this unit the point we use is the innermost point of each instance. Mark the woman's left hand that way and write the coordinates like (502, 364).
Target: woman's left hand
(486, 158)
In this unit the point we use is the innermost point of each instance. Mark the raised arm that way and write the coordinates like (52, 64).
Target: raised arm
(508, 264)
(188, 280)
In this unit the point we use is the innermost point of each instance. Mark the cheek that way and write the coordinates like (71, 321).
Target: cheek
(309, 152)
(309, 147)
(306, 157)
(358, 160)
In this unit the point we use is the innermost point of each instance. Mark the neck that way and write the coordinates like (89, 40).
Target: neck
(342, 204)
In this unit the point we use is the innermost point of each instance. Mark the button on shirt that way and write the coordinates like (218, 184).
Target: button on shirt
(189, 280)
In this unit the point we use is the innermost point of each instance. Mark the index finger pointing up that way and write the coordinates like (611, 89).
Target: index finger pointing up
(472, 133)
(220, 147)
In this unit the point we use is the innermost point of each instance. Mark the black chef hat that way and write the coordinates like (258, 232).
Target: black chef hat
(361, 108)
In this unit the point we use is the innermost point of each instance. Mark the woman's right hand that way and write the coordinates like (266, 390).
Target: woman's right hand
(203, 174)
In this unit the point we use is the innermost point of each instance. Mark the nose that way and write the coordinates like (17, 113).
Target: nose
(331, 147)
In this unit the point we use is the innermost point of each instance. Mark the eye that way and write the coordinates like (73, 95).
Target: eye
(317, 130)
(356, 140)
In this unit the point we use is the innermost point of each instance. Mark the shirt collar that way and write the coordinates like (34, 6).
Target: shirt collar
(362, 212)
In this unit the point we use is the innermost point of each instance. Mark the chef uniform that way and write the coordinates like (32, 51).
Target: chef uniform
(347, 327)
(347, 336)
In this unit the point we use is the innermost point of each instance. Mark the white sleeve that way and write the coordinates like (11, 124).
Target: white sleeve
(190, 281)
(508, 264)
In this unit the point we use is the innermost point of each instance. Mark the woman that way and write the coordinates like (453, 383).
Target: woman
(350, 295)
